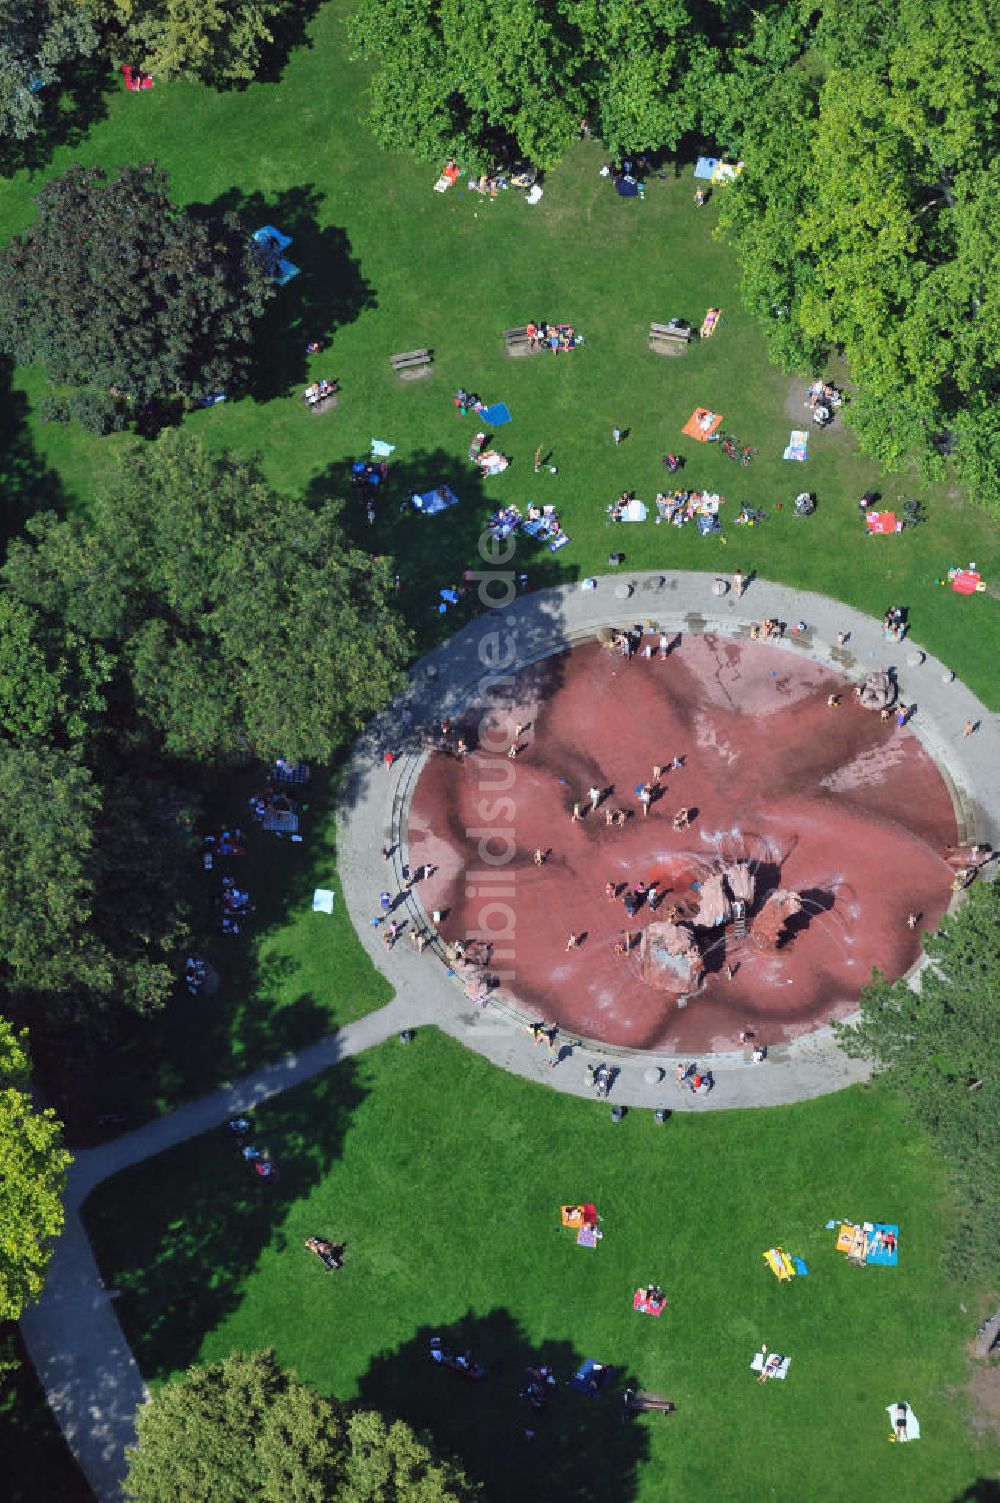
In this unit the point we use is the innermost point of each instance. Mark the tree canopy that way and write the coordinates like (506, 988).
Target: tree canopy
(940, 1047)
(31, 1185)
(864, 222)
(243, 1431)
(218, 41)
(36, 37)
(114, 288)
(484, 83)
(243, 622)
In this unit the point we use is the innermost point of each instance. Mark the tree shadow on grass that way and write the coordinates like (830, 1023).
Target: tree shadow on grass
(448, 550)
(984, 1490)
(71, 107)
(180, 1234)
(329, 292)
(581, 1452)
(256, 1016)
(27, 485)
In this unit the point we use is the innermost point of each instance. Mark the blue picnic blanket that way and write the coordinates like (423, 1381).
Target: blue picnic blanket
(431, 502)
(496, 415)
(705, 166)
(878, 1253)
(560, 542)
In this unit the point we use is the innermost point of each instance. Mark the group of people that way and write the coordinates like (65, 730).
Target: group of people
(195, 974)
(226, 843)
(895, 623)
(258, 1160)
(234, 903)
(823, 398)
(318, 391)
(555, 337)
(679, 507)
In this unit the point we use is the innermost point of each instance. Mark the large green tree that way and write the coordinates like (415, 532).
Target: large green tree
(245, 623)
(33, 1176)
(865, 220)
(483, 83)
(113, 287)
(244, 1431)
(36, 38)
(218, 41)
(939, 1045)
(88, 911)
(51, 680)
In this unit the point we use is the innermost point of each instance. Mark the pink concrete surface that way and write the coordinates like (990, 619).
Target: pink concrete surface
(828, 801)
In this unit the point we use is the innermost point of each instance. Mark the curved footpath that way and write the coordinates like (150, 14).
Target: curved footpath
(451, 679)
(73, 1335)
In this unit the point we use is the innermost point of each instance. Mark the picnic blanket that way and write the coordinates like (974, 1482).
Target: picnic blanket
(714, 170)
(912, 1423)
(641, 1303)
(280, 822)
(798, 443)
(635, 511)
(591, 1377)
(779, 1263)
(322, 900)
(883, 1245)
(702, 424)
(577, 1216)
(777, 1366)
(560, 542)
(882, 521)
(496, 415)
(965, 581)
(431, 502)
(381, 449)
(446, 179)
(588, 1236)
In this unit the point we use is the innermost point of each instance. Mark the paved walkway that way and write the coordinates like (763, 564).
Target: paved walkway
(73, 1334)
(453, 679)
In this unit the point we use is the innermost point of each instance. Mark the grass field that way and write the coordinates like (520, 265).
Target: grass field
(445, 1177)
(390, 265)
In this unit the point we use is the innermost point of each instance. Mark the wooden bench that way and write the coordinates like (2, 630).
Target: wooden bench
(412, 364)
(517, 344)
(670, 339)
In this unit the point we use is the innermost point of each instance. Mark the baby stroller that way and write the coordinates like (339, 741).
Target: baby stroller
(805, 504)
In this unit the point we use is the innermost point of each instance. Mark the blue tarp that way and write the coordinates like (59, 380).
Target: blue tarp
(878, 1253)
(627, 187)
(433, 501)
(705, 166)
(267, 233)
(591, 1377)
(496, 415)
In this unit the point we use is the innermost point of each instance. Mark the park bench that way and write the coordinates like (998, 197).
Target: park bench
(670, 339)
(516, 341)
(412, 364)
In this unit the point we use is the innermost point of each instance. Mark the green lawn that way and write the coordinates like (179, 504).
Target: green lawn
(445, 1176)
(389, 265)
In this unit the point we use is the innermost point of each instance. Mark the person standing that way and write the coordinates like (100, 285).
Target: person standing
(617, 435)
(538, 460)
(645, 798)
(594, 794)
(739, 584)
